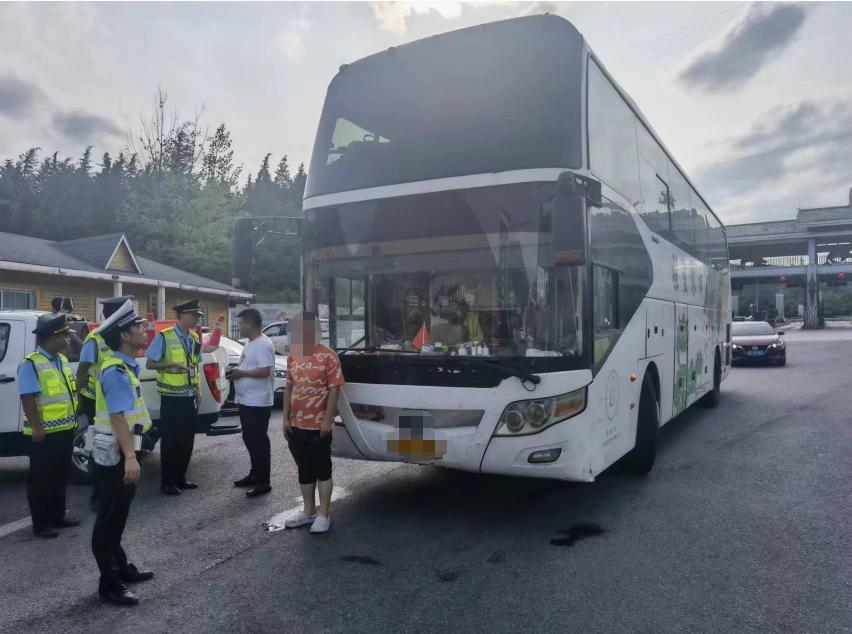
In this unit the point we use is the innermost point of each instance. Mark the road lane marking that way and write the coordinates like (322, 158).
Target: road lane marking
(12, 527)
(276, 522)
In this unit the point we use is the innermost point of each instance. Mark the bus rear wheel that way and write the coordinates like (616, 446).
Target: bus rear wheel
(712, 398)
(640, 460)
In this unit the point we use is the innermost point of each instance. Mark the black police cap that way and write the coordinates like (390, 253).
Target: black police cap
(192, 306)
(48, 325)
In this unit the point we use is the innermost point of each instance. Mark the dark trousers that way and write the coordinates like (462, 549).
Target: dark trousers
(114, 498)
(178, 418)
(312, 454)
(255, 424)
(50, 461)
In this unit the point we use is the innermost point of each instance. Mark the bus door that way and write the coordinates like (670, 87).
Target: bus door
(659, 346)
(681, 360)
(700, 356)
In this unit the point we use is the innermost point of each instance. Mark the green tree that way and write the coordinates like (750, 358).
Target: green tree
(217, 165)
(19, 192)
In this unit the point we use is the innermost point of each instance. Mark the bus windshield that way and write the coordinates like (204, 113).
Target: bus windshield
(473, 101)
(453, 274)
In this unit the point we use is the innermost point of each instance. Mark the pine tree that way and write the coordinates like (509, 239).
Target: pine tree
(218, 161)
(283, 181)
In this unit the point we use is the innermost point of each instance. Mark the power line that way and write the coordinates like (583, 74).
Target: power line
(785, 148)
(667, 38)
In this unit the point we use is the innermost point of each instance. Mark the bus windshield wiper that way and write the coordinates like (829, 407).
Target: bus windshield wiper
(340, 351)
(372, 349)
(508, 370)
(501, 366)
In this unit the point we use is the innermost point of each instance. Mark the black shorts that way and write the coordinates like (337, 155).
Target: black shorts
(312, 454)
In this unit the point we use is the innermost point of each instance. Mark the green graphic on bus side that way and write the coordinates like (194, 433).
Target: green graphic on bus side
(691, 374)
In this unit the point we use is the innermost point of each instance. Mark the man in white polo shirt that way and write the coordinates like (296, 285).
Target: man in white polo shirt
(253, 383)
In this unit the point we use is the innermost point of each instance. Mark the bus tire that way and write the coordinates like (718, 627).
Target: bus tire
(640, 460)
(712, 398)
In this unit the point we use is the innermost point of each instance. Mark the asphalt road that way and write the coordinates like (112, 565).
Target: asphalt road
(742, 526)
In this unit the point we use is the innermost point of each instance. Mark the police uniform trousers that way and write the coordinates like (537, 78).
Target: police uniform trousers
(50, 461)
(178, 420)
(114, 499)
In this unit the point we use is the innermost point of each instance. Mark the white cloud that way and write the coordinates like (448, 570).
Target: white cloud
(393, 16)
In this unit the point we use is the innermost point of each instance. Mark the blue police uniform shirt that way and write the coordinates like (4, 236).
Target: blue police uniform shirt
(157, 350)
(27, 377)
(89, 353)
(118, 392)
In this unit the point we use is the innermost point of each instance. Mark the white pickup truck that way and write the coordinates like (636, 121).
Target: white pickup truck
(17, 340)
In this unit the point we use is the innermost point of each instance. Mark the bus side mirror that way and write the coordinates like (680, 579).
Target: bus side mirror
(568, 212)
(249, 233)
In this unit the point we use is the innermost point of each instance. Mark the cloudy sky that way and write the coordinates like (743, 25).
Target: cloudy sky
(754, 100)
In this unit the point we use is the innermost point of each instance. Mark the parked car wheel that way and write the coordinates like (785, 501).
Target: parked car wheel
(80, 453)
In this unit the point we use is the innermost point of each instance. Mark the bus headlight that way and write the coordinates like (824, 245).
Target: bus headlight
(530, 417)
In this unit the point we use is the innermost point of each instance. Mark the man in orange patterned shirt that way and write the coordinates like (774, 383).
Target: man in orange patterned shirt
(310, 404)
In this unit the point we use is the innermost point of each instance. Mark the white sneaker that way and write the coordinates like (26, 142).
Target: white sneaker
(321, 524)
(299, 519)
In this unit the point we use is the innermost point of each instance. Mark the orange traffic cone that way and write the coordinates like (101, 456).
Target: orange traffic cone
(423, 337)
(212, 340)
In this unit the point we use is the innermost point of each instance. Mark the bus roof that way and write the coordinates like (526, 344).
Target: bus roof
(561, 31)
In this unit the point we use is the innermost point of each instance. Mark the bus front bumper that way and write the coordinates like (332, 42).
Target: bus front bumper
(562, 451)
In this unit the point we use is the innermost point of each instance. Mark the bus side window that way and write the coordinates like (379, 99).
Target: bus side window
(605, 302)
(656, 197)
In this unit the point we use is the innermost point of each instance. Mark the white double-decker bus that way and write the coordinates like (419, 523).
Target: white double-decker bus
(519, 278)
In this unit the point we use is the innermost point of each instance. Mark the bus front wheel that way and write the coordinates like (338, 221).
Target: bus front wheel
(640, 460)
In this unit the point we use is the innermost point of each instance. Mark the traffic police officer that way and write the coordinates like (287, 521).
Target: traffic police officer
(174, 354)
(93, 354)
(121, 418)
(46, 386)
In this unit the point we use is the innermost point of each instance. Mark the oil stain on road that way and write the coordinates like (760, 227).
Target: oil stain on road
(577, 533)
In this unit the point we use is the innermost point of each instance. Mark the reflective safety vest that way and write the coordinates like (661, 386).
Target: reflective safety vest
(104, 353)
(137, 416)
(57, 404)
(177, 383)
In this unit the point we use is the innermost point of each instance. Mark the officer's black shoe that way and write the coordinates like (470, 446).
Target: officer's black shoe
(170, 489)
(45, 533)
(119, 594)
(66, 522)
(261, 489)
(131, 574)
(186, 484)
(248, 481)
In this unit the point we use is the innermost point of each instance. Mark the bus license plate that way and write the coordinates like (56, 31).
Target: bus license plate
(417, 449)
